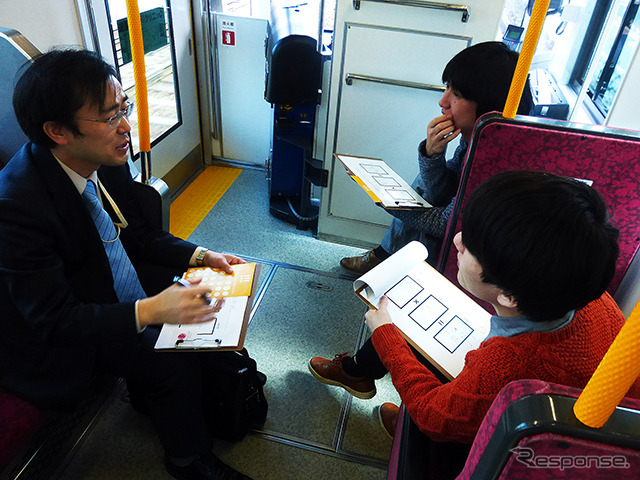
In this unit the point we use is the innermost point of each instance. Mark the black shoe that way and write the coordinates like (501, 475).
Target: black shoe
(205, 467)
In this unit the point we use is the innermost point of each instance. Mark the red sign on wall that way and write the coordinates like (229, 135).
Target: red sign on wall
(228, 37)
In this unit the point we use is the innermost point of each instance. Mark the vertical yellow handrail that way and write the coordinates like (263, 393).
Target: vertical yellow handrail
(529, 45)
(140, 77)
(617, 371)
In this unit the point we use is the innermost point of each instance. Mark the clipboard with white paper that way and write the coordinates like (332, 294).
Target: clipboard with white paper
(385, 187)
(228, 330)
(433, 314)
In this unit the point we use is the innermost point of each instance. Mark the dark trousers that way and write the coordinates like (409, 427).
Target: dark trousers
(367, 363)
(421, 457)
(169, 385)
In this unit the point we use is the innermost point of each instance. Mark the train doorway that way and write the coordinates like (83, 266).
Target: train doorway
(170, 72)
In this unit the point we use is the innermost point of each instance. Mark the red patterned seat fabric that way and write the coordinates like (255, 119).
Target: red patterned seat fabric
(19, 420)
(556, 456)
(611, 162)
(522, 388)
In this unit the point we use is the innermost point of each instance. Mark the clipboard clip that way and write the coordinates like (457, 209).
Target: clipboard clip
(198, 343)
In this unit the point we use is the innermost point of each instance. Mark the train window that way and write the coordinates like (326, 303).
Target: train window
(620, 43)
(159, 55)
(584, 51)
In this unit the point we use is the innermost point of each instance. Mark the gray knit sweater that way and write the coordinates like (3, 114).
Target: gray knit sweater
(440, 179)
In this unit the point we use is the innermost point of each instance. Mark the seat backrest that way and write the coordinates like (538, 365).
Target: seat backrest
(610, 158)
(15, 53)
(530, 431)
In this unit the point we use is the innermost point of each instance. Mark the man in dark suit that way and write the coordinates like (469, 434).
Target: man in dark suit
(65, 313)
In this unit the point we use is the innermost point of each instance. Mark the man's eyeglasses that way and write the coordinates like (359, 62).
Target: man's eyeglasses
(115, 120)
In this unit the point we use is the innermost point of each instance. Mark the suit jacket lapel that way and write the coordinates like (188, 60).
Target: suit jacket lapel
(69, 205)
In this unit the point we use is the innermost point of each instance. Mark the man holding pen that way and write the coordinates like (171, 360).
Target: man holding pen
(84, 280)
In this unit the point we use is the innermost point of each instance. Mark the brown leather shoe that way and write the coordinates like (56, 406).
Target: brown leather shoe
(361, 264)
(388, 417)
(330, 372)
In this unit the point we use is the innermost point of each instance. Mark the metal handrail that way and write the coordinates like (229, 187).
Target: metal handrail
(419, 3)
(389, 81)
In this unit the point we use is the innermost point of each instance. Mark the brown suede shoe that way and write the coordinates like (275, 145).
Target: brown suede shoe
(330, 372)
(361, 264)
(388, 417)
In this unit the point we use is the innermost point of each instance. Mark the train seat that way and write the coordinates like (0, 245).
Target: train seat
(20, 421)
(33, 441)
(605, 156)
(15, 52)
(531, 432)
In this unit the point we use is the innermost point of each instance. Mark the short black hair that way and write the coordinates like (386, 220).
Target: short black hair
(55, 86)
(543, 238)
(482, 73)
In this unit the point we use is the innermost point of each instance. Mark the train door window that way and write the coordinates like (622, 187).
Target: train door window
(237, 7)
(159, 55)
(260, 9)
(242, 8)
(584, 52)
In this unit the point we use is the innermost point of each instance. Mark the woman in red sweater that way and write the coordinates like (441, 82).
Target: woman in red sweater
(540, 249)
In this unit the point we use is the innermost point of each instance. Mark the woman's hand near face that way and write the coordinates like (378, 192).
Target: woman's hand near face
(440, 131)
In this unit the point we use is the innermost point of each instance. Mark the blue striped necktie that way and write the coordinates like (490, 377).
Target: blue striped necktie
(125, 279)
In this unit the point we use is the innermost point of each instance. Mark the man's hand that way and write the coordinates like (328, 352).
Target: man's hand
(223, 261)
(178, 304)
(440, 131)
(375, 318)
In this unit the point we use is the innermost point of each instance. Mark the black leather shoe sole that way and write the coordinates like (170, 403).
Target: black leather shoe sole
(205, 467)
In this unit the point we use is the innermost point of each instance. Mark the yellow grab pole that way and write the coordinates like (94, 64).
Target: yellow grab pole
(529, 45)
(619, 368)
(140, 78)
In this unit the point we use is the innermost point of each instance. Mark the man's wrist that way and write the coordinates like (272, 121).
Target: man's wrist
(143, 314)
(200, 257)
(139, 327)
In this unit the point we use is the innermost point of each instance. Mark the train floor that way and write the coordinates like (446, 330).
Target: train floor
(305, 307)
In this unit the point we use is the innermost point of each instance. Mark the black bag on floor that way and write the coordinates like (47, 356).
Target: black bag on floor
(233, 397)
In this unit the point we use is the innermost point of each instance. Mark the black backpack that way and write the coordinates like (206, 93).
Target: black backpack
(233, 396)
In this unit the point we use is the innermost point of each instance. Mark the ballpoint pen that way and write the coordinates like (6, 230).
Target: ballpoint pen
(181, 281)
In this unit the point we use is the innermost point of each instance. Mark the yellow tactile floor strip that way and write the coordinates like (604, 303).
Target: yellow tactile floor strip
(190, 208)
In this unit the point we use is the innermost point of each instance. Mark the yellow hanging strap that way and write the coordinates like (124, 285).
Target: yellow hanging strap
(619, 368)
(529, 45)
(139, 73)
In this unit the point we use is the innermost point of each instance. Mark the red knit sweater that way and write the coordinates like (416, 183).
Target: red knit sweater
(454, 411)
